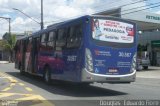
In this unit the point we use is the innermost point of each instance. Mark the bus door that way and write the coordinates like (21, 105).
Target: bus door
(58, 54)
(28, 55)
(72, 52)
(23, 53)
(17, 49)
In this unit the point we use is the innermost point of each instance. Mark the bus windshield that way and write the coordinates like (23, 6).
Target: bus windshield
(113, 31)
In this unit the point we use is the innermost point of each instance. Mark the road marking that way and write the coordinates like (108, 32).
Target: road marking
(37, 97)
(1, 77)
(12, 84)
(44, 103)
(30, 97)
(17, 94)
(33, 97)
(28, 89)
(12, 80)
(4, 75)
(2, 95)
(21, 84)
(6, 89)
(27, 96)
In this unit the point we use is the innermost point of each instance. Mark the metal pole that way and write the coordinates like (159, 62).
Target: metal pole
(42, 14)
(9, 33)
(9, 19)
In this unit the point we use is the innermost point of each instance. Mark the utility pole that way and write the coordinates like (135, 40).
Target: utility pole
(42, 14)
(9, 29)
(9, 21)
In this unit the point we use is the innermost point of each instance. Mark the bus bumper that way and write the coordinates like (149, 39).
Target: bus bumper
(92, 77)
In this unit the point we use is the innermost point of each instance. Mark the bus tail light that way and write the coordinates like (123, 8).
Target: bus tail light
(133, 66)
(88, 60)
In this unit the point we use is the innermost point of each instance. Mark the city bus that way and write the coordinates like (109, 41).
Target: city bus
(83, 50)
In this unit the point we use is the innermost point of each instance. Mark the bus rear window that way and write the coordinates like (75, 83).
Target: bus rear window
(113, 31)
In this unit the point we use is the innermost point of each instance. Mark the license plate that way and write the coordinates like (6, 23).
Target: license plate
(112, 79)
(113, 70)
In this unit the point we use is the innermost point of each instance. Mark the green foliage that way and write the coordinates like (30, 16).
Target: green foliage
(9, 43)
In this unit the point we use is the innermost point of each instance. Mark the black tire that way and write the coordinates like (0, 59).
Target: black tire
(145, 67)
(47, 75)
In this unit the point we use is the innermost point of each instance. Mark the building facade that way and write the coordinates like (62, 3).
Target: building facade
(148, 30)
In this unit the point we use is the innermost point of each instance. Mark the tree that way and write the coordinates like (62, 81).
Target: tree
(8, 45)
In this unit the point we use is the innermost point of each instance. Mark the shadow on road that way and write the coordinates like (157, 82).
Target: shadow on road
(67, 89)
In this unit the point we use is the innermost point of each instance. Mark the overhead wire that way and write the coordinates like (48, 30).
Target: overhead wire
(61, 19)
(134, 10)
(123, 4)
(1, 20)
(126, 4)
(98, 11)
(141, 9)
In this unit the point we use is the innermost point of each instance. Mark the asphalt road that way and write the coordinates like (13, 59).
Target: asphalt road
(33, 91)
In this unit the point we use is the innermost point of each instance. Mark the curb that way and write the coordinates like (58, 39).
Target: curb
(4, 62)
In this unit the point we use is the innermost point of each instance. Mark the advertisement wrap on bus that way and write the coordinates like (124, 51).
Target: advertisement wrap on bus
(83, 50)
(113, 31)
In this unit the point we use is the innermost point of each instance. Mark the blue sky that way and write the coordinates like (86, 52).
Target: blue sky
(154, 1)
(54, 10)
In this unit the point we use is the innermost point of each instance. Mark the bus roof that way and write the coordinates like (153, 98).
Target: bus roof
(56, 25)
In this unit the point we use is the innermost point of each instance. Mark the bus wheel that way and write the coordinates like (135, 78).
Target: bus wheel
(47, 76)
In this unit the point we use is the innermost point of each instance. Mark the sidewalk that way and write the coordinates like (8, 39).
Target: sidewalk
(152, 72)
(3, 62)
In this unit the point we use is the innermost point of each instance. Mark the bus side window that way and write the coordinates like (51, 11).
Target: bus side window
(43, 40)
(70, 37)
(26, 44)
(61, 39)
(78, 35)
(75, 36)
(29, 44)
(51, 39)
(37, 44)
